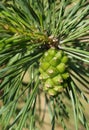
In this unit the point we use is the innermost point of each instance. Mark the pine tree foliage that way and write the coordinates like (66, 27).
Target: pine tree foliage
(28, 29)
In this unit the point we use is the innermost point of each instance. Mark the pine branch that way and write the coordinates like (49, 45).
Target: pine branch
(32, 35)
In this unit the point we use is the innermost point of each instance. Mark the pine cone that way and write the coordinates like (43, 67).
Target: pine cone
(53, 71)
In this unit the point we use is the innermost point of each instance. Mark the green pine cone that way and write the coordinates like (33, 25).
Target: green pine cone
(53, 71)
